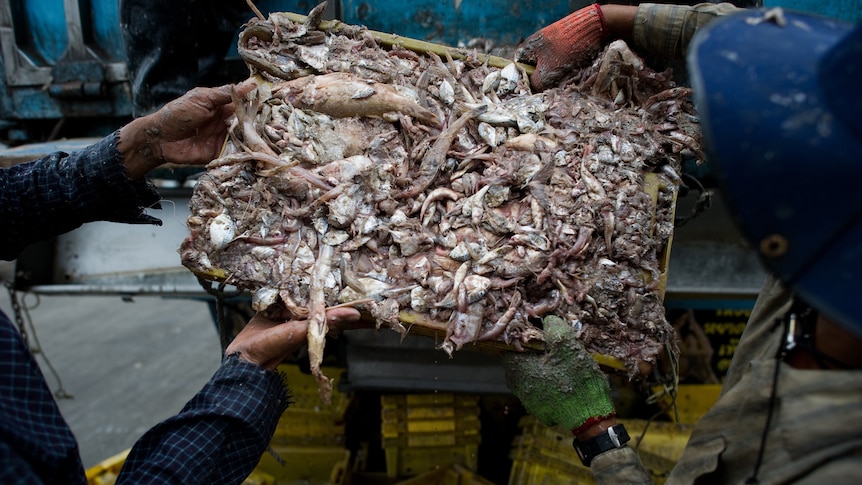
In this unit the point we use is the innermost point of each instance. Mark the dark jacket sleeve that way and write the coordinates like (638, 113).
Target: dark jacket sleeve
(665, 30)
(36, 444)
(55, 194)
(218, 437)
(621, 466)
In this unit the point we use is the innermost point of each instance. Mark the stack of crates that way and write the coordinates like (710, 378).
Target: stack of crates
(544, 455)
(451, 475)
(421, 432)
(308, 446)
(308, 421)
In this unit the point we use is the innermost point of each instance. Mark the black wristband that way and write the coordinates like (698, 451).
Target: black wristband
(615, 437)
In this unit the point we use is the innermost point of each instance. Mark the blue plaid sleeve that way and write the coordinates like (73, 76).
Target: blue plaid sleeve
(36, 444)
(55, 194)
(218, 437)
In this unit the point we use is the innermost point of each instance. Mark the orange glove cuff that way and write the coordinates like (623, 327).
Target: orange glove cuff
(579, 32)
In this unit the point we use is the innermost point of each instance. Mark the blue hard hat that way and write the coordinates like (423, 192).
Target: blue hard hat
(781, 111)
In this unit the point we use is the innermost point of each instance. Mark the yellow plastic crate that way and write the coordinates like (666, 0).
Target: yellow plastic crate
(466, 425)
(299, 465)
(530, 470)
(304, 391)
(259, 478)
(307, 421)
(692, 401)
(298, 429)
(551, 441)
(450, 475)
(544, 455)
(441, 411)
(415, 419)
(428, 402)
(432, 439)
(422, 432)
(405, 462)
(106, 471)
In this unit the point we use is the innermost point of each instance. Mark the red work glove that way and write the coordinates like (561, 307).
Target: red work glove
(564, 45)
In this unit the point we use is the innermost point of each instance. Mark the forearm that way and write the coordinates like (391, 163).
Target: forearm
(53, 195)
(619, 467)
(619, 21)
(666, 30)
(219, 436)
(138, 144)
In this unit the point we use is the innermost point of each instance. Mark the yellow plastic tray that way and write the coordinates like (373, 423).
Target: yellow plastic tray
(421, 324)
(106, 471)
(405, 462)
(451, 475)
(294, 465)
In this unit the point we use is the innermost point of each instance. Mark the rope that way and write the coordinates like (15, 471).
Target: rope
(222, 322)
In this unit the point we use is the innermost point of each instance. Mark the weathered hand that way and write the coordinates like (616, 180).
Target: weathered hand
(189, 130)
(562, 46)
(268, 342)
(564, 386)
(193, 127)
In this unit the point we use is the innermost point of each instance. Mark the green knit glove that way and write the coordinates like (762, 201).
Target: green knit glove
(564, 386)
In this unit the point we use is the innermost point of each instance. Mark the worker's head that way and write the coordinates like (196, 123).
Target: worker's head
(781, 109)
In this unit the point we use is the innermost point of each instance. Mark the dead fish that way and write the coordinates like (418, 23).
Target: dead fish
(222, 230)
(436, 155)
(344, 95)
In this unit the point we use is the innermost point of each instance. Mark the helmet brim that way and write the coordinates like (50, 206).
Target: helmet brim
(786, 144)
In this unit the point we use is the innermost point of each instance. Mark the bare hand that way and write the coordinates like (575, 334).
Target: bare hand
(193, 127)
(268, 342)
(189, 130)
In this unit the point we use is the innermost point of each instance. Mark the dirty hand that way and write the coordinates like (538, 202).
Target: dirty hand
(564, 45)
(564, 386)
(189, 130)
(268, 342)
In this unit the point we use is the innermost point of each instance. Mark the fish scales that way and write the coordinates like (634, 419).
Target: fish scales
(447, 188)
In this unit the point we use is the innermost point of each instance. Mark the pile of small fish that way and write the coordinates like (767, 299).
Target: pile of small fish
(395, 181)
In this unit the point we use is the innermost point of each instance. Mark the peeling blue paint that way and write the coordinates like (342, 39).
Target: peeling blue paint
(44, 33)
(457, 22)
